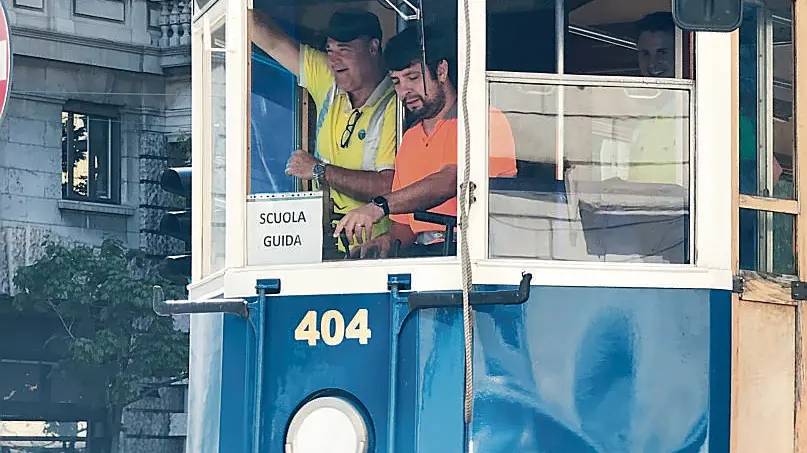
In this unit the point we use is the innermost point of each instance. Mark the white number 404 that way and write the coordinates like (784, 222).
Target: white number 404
(332, 328)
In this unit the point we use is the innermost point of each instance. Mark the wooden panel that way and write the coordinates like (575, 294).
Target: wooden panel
(763, 374)
(768, 204)
(770, 289)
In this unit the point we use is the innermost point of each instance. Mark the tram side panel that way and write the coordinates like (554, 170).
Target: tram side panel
(605, 370)
(571, 369)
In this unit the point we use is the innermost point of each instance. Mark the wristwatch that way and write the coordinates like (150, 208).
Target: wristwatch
(319, 172)
(381, 202)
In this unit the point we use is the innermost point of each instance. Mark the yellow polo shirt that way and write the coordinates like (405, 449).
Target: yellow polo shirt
(657, 154)
(372, 145)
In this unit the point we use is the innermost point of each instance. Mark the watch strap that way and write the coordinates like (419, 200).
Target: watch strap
(382, 203)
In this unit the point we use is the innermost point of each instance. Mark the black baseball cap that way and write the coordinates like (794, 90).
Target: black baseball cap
(349, 24)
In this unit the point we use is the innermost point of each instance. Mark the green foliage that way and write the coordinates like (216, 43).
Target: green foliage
(112, 342)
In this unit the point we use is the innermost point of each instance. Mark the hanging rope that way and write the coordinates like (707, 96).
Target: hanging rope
(465, 203)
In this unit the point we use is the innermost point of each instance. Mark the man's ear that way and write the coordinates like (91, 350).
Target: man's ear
(374, 46)
(442, 71)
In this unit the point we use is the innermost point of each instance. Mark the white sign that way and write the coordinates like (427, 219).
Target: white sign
(284, 228)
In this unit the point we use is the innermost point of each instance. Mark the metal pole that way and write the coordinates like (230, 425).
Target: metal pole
(560, 28)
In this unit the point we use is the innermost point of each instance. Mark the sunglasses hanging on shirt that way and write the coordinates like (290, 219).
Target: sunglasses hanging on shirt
(349, 128)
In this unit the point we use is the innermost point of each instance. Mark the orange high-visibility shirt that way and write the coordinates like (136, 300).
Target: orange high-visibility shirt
(420, 155)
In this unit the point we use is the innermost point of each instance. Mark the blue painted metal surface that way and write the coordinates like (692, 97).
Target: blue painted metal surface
(204, 387)
(296, 372)
(604, 370)
(571, 370)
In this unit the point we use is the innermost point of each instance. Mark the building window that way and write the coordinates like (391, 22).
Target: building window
(90, 156)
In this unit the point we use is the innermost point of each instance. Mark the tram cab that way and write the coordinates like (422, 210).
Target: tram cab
(633, 286)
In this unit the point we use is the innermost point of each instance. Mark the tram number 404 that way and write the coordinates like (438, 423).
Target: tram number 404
(332, 328)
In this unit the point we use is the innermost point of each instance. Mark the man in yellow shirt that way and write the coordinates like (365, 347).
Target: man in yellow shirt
(356, 108)
(657, 151)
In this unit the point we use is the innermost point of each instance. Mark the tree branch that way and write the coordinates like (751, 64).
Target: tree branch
(148, 391)
(64, 323)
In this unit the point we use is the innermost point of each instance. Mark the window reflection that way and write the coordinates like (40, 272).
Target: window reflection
(602, 37)
(623, 190)
(766, 102)
(219, 148)
(767, 242)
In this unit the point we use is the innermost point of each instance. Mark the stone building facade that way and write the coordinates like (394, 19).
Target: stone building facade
(100, 105)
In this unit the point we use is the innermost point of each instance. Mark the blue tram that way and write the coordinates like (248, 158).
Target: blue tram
(592, 302)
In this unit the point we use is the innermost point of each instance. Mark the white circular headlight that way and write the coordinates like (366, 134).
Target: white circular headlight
(327, 425)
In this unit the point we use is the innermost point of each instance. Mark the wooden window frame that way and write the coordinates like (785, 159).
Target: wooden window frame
(757, 286)
(765, 289)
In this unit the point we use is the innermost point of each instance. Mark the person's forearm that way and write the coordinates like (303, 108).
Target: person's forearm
(359, 184)
(275, 42)
(427, 193)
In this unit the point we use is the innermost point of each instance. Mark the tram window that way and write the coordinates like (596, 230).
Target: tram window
(603, 168)
(274, 124)
(612, 200)
(766, 101)
(597, 37)
(767, 242)
(315, 117)
(766, 135)
(218, 227)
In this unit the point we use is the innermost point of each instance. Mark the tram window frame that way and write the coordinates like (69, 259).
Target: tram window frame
(214, 15)
(764, 202)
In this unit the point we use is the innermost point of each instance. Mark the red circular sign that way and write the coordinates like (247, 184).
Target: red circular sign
(5, 59)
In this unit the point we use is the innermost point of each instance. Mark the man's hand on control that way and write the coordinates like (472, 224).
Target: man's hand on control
(359, 220)
(381, 244)
(301, 164)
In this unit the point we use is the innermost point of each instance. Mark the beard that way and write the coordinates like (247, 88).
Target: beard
(429, 108)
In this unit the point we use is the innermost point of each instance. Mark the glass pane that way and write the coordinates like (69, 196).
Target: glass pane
(67, 129)
(767, 242)
(511, 26)
(766, 102)
(101, 149)
(273, 125)
(621, 191)
(605, 37)
(76, 125)
(219, 149)
(782, 98)
(615, 37)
